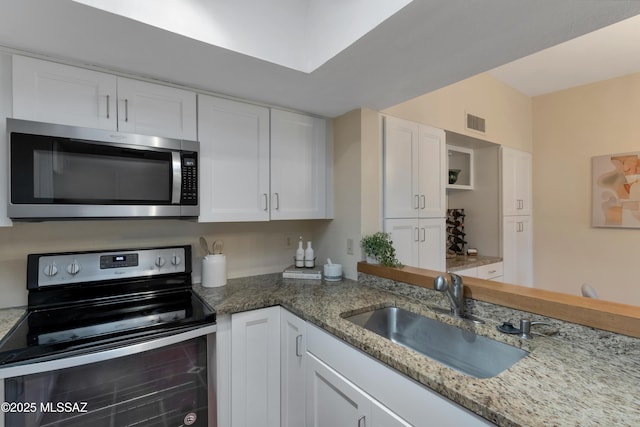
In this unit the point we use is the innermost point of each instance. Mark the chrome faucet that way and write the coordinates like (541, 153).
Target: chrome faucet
(455, 292)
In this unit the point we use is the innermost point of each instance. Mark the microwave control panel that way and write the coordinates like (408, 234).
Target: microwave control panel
(189, 193)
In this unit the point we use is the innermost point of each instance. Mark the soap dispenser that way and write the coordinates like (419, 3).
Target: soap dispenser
(309, 257)
(300, 254)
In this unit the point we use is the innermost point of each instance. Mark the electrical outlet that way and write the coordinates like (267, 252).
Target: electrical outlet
(349, 246)
(289, 238)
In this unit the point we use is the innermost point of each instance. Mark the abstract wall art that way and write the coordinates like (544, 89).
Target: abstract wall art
(616, 190)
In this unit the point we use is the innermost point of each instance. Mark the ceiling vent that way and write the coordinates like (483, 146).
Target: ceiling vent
(475, 123)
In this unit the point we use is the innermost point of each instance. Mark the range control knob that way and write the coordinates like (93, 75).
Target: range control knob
(175, 259)
(50, 270)
(73, 268)
(159, 261)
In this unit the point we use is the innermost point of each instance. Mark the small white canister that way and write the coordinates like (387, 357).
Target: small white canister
(333, 272)
(214, 271)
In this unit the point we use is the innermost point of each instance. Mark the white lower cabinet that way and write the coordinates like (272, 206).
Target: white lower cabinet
(290, 373)
(517, 250)
(486, 272)
(332, 400)
(401, 400)
(419, 242)
(293, 365)
(255, 368)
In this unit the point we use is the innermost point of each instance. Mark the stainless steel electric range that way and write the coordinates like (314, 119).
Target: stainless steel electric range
(110, 338)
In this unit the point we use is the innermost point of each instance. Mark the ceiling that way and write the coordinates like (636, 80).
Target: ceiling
(426, 45)
(607, 53)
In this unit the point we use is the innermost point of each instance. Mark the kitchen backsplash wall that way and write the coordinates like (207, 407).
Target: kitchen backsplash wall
(251, 248)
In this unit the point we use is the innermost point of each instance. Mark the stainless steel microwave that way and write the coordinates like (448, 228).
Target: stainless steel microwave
(68, 172)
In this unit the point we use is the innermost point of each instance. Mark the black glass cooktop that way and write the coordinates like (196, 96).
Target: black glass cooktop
(64, 330)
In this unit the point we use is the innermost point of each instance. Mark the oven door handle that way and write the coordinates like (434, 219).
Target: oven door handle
(104, 354)
(176, 163)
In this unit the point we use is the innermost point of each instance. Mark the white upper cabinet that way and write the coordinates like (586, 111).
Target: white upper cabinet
(234, 158)
(516, 168)
(259, 164)
(5, 111)
(56, 93)
(152, 109)
(298, 166)
(414, 170)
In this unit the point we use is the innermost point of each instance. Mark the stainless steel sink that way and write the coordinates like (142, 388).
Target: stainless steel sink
(462, 350)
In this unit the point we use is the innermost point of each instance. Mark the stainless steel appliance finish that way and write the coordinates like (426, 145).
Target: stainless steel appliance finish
(111, 338)
(67, 172)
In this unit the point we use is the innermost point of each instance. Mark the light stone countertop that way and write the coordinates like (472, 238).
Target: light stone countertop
(578, 377)
(462, 262)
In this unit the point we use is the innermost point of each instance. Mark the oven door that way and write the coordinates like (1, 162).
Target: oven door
(164, 382)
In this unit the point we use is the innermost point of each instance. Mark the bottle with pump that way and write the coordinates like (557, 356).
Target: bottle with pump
(309, 257)
(300, 254)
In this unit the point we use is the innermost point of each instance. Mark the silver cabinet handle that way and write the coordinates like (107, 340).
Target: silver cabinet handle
(108, 97)
(424, 234)
(362, 421)
(277, 196)
(266, 201)
(491, 271)
(417, 235)
(424, 201)
(299, 346)
(126, 110)
(417, 200)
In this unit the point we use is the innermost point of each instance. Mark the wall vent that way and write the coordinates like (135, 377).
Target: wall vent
(475, 123)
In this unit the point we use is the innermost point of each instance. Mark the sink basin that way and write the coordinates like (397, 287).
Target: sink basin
(462, 350)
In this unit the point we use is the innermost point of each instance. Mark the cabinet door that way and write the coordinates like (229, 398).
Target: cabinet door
(432, 179)
(432, 245)
(255, 368)
(383, 417)
(298, 166)
(5, 111)
(405, 235)
(293, 369)
(333, 401)
(152, 109)
(234, 160)
(516, 181)
(401, 162)
(55, 93)
(517, 251)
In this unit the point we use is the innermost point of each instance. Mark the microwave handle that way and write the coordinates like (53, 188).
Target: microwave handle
(176, 191)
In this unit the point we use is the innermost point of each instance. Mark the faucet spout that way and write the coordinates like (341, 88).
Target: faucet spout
(454, 291)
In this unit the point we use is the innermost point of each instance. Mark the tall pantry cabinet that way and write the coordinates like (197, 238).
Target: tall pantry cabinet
(414, 192)
(517, 235)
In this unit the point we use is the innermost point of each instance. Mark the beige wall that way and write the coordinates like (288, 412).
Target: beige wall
(346, 194)
(251, 248)
(507, 111)
(570, 127)
(357, 169)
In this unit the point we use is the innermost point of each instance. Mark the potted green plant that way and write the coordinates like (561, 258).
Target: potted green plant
(379, 249)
